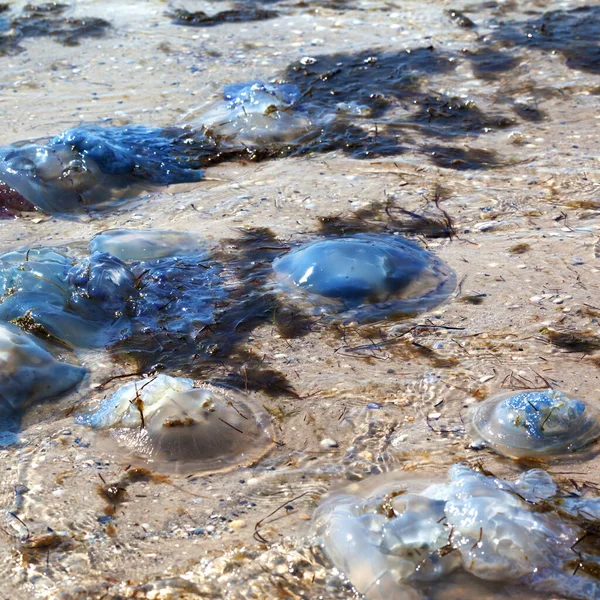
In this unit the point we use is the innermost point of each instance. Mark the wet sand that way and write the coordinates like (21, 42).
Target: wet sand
(519, 179)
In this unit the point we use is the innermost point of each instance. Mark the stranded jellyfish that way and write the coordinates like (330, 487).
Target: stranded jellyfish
(28, 373)
(82, 303)
(534, 423)
(364, 277)
(256, 113)
(91, 165)
(100, 300)
(143, 244)
(397, 537)
(167, 424)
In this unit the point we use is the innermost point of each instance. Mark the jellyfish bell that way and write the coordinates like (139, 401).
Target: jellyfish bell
(55, 179)
(364, 276)
(256, 113)
(143, 244)
(168, 425)
(534, 423)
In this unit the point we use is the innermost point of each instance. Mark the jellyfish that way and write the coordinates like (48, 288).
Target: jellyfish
(169, 425)
(81, 303)
(365, 277)
(28, 373)
(92, 166)
(256, 113)
(399, 536)
(534, 423)
(143, 244)
(100, 300)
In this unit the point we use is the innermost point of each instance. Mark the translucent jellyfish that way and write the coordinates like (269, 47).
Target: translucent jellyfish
(534, 423)
(167, 424)
(364, 277)
(99, 300)
(28, 373)
(91, 165)
(256, 113)
(396, 536)
(143, 244)
(83, 303)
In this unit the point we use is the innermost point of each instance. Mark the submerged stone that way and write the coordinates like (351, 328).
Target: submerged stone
(91, 166)
(395, 537)
(534, 423)
(366, 277)
(256, 113)
(28, 373)
(169, 425)
(143, 244)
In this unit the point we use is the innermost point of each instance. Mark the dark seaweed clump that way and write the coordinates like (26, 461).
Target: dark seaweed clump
(47, 20)
(388, 216)
(240, 14)
(399, 108)
(573, 33)
(462, 159)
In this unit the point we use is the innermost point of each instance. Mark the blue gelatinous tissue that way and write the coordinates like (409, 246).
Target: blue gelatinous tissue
(91, 165)
(101, 300)
(28, 373)
(178, 284)
(150, 153)
(395, 537)
(256, 113)
(534, 423)
(81, 303)
(168, 424)
(364, 277)
(178, 294)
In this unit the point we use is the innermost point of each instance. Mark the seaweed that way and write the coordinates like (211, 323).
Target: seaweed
(519, 249)
(463, 116)
(114, 494)
(462, 159)
(219, 348)
(572, 32)
(573, 340)
(389, 216)
(239, 14)
(67, 31)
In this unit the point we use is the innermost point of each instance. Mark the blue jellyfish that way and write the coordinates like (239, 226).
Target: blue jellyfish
(534, 423)
(366, 277)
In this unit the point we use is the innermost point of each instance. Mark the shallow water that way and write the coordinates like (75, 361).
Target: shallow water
(479, 143)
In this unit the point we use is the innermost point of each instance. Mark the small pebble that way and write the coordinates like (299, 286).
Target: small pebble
(329, 443)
